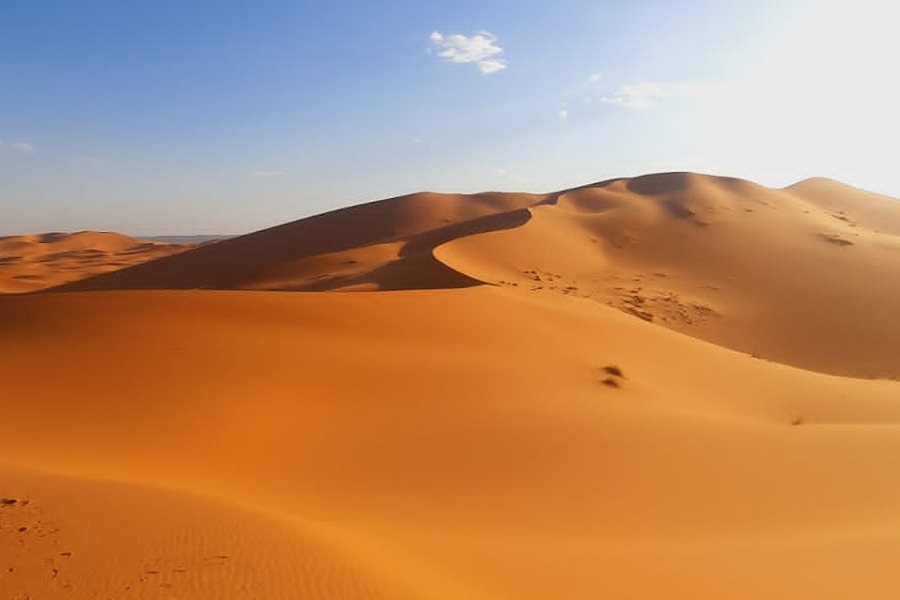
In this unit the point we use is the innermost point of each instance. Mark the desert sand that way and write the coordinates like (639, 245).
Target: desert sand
(37, 261)
(676, 386)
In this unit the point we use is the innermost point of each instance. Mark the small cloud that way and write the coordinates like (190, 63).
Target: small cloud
(480, 49)
(89, 159)
(18, 147)
(648, 94)
(500, 172)
(261, 173)
(563, 111)
(595, 77)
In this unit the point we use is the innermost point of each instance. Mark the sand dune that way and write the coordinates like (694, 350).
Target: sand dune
(462, 443)
(381, 245)
(858, 208)
(720, 259)
(759, 270)
(39, 261)
(553, 434)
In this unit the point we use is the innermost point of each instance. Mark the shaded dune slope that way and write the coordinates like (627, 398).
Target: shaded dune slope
(380, 245)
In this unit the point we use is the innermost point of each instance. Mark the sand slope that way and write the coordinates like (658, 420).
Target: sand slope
(551, 435)
(456, 443)
(381, 245)
(38, 261)
(858, 208)
(759, 270)
(67, 537)
(720, 259)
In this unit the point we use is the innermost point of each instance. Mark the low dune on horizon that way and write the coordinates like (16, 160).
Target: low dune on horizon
(675, 385)
(34, 262)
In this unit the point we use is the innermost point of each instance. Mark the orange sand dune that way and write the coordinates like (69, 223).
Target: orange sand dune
(381, 245)
(720, 259)
(856, 207)
(472, 443)
(759, 270)
(38, 261)
(553, 434)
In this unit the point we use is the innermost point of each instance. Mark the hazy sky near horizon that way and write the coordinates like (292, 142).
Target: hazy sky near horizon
(185, 116)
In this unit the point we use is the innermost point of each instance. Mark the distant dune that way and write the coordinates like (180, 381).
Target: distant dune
(34, 262)
(588, 394)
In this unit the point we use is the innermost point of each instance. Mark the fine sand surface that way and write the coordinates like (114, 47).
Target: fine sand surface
(547, 436)
(39, 261)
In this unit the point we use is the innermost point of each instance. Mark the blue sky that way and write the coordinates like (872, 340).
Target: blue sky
(182, 116)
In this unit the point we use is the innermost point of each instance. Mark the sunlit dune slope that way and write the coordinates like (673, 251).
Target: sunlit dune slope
(34, 262)
(760, 270)
(856, 207)
(472, 443)
(381, 245)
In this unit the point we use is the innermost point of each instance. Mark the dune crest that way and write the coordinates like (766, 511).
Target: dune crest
(854, 206)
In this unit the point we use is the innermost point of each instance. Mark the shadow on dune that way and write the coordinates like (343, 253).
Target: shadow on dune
(417, 223)
(417, 268)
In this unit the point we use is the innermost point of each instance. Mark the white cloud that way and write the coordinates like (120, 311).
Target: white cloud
(480, 49)
(261, 173)
(19, 147)
(563, 111)
(648, 94)
(595, 77)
